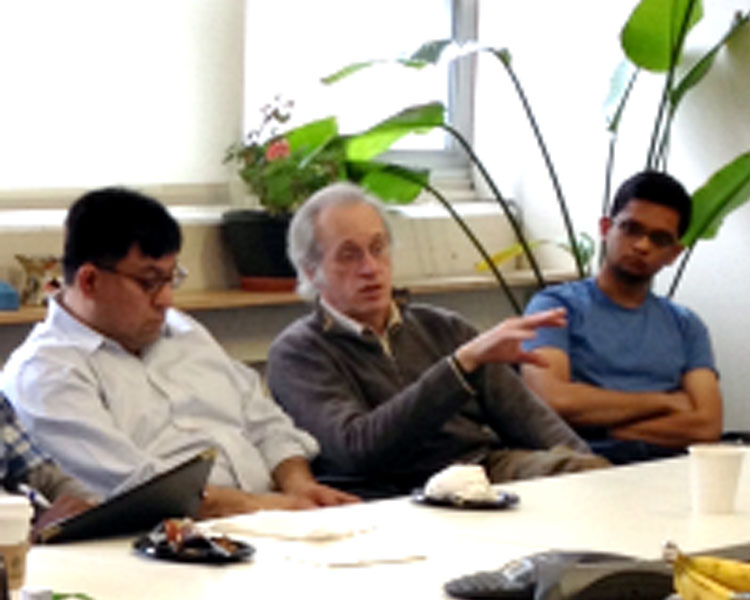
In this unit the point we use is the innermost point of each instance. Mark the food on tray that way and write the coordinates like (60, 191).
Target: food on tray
(461, 483)
(182, 534)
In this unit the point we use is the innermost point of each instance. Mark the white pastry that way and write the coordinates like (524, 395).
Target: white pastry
(461, 483)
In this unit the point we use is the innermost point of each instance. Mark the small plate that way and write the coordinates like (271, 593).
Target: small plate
(504, 500)
(215, 549)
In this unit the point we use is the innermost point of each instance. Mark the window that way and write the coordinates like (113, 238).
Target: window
(288, 56)
(134, 92)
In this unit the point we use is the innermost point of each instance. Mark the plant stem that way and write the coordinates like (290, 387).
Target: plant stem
(406, 174)
(502, 202)
(680, 269)
(614, 124)
(659, 125)
(547, 162)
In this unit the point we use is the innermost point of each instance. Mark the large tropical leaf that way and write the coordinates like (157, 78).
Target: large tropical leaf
(726, 190)
(344, 72)
(429, 53)
(619, 89)
(391, 185)
(699, 69)
(312, 136)
(376, 140)
(653, 30)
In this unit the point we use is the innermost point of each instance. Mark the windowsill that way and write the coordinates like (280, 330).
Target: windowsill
(39, 219)
(198, 300)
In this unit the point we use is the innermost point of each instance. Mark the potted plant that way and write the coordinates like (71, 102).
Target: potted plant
(284, 168)
(653, 39)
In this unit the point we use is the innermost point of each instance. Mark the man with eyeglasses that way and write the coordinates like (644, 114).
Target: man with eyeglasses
(119, 386)
(633, 372)
(394, 391)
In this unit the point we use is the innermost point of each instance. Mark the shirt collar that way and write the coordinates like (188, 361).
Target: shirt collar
(90, 339)
(354, 326)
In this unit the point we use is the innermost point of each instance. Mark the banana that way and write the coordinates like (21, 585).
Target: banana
(693, 585)
(708, 577)
(734, 574)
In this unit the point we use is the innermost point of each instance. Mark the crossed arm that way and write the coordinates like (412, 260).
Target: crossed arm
(690, 414)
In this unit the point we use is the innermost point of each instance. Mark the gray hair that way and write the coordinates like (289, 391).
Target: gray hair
(302, 247)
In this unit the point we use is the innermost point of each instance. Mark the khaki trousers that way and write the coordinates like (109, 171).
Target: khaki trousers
(507, 465)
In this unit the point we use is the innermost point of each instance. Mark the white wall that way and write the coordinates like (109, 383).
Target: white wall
(121, 91)
(564, 54)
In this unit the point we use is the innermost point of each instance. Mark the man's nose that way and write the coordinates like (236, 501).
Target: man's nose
(164, 297)
(643, 243)
(368, 262)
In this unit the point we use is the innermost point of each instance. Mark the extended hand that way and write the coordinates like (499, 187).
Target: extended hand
(222, 502)
(323, 495)
(502, 343)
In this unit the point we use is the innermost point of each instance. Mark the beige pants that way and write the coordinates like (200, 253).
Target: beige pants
(507, 465)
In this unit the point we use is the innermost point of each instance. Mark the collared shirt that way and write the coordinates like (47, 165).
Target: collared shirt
(113, 419)
(18, 455)
(345, 321)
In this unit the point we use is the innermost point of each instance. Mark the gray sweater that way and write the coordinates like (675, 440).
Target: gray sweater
(403, 417)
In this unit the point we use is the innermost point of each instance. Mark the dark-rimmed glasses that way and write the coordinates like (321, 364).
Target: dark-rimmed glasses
(153, 285)
(658, 237)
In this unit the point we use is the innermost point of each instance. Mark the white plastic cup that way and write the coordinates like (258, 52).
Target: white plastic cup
(714, 474)
(15, 525)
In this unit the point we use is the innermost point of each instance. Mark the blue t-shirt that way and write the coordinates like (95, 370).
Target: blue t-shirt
(648, 348)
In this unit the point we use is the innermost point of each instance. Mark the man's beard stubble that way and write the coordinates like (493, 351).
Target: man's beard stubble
(631, 279)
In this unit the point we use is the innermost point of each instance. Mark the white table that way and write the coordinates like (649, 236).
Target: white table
(631, 510)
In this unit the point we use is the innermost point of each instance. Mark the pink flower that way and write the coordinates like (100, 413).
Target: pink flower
(277, 149)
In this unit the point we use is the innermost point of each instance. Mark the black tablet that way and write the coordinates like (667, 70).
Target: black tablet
(175, 493)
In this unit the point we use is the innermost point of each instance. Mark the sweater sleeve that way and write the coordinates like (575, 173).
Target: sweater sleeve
(309, 376)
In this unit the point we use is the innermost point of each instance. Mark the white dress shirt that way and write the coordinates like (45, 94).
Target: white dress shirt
(113, 419)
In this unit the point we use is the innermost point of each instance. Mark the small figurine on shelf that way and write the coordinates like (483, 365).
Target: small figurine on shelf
(42, 276)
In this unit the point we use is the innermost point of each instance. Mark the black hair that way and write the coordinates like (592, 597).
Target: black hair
(103, 225)
(659, 188)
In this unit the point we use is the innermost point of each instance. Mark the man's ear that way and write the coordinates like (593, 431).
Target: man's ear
(605, 223)
(87, 279)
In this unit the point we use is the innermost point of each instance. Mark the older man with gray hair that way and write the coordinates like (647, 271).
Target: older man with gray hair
(395, 391)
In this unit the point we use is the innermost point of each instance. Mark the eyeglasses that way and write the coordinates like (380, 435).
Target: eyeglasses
(658, 237)
(153, 285)
(350, 254)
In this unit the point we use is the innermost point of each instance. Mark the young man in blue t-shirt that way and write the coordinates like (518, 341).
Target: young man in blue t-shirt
(632, 372)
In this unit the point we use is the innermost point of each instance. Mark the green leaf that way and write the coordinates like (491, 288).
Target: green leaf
(312, 136)
(725, 190)
(378, 139)
(585, 248)
(699, 69)
(506, 254)
(430, 52)
(652, 32)
(348, 70)
(619, 89)
(391, 187)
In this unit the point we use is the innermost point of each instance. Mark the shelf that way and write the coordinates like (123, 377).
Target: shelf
(198, 300)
